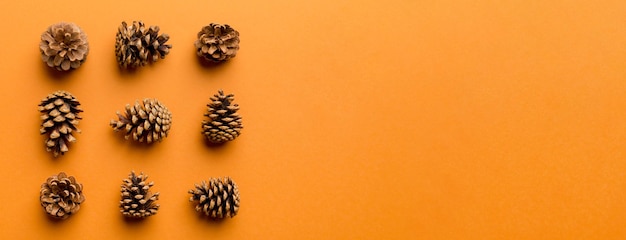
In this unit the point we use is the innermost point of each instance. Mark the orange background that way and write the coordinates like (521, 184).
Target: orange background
(397, 119)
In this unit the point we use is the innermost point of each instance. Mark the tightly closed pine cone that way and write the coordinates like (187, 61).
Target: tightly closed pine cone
(217, 199)
(64, 46)
(137, 200)
(137, 45)
(224, 123)
(61, 196)
(217, 42)
(148, 121)
(59, 119)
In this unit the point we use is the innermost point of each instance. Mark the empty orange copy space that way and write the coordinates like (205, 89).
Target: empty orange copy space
(405, 119)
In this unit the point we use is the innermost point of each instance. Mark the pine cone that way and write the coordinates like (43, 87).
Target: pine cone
(149, 121)
(224, 122)
(136, 45)
(64, 46)
(217, 42)
(217, 199)
(137, 200)
(59, 118)
(61, 196)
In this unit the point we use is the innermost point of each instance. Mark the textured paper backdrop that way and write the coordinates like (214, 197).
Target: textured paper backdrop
(397, 119)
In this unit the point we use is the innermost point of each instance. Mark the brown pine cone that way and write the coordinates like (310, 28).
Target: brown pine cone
(224, 123)
(149, 121)
(61, 196)
(64, 46)
(217, 42)
(137, 200)
(59, 119)
(137, 45)
(217, 199)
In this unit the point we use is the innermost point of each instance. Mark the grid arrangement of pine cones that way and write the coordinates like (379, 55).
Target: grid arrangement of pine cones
(148, 121)
(59, 119)
(137, 200)
(217, 42)
(219, 198)
(137, 45)
(224, 123)
(64, 46)
(61, 196)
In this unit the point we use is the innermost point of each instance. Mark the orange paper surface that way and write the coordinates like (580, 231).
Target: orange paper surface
(397, 119)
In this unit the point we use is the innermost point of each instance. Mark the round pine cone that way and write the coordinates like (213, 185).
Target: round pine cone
(64, 46)
(148, 121)
(61, 196)
(59, 119)
(136, 45)
(217, 42)
(137, 200)
(217, 199)
(224, 123)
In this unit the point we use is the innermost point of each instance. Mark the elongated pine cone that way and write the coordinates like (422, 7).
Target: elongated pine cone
(217, 42)
(217, 199)
(59, 119)
(137, 45)
(148, 121)
(64, 46)
(137, 200)
(224, 123)
(61, 196)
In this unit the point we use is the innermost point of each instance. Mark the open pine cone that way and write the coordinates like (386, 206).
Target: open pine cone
(148, 121)
(224, 123)
(217, 199)
(137, 200)
(137, 45)
(217, 42)
(59, 119)
(61, 196)
(64, 46)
